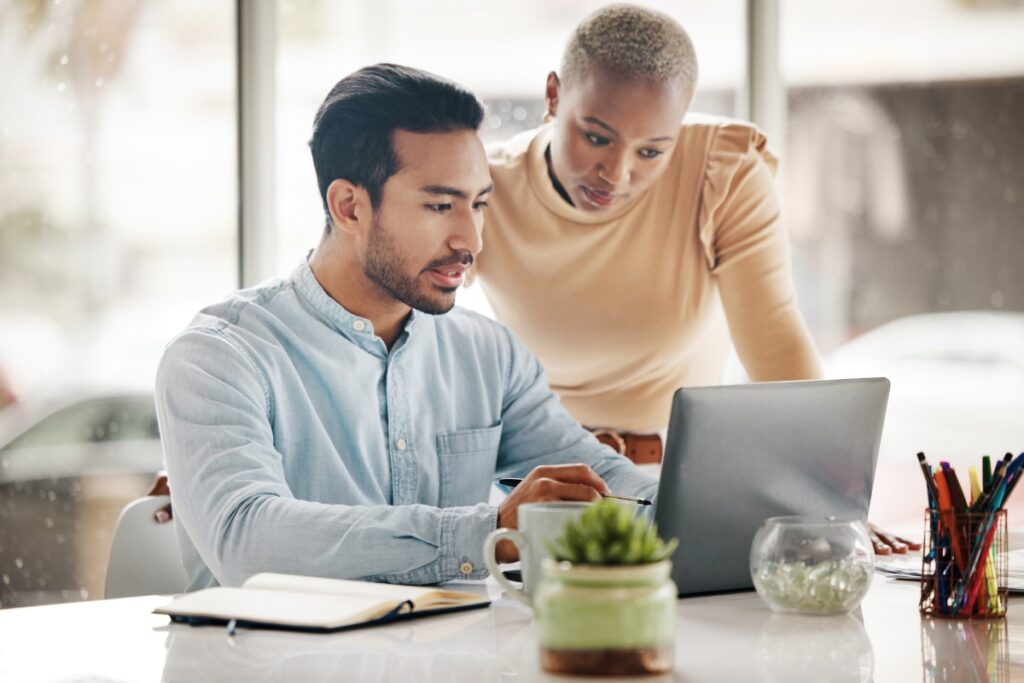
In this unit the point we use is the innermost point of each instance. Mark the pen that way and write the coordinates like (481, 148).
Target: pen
(948, 517)
(998, 472)
(956, 493)
(1016, 478)
(512, 482)
(927, 471)
(972, 471)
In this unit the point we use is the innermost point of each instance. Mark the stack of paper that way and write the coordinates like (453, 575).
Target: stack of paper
(908, 567)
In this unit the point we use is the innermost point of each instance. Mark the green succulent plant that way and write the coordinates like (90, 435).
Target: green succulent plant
(609, 534)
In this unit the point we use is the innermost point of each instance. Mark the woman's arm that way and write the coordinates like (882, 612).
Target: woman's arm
(752, 267)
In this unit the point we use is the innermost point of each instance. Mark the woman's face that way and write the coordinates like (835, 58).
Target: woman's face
(613, 136)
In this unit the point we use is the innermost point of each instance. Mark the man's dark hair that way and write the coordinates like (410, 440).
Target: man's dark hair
(353, 129)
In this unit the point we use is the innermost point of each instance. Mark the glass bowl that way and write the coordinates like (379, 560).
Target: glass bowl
(812, 565)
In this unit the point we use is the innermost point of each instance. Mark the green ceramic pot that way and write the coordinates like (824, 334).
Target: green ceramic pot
(606, 620)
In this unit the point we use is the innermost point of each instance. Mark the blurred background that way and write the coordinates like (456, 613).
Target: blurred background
(122, 210)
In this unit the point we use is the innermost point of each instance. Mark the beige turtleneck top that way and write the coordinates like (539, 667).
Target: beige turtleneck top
(623, 307)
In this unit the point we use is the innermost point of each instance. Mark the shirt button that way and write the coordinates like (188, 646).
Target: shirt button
(466, 568)
(401, 444)
(359, 325)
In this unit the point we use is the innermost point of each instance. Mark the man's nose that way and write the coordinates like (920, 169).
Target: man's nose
(468, 233)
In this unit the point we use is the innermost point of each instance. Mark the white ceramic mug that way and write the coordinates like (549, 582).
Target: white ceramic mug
(538, 522)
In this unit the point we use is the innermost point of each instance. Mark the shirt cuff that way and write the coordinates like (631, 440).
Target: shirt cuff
(463, 533)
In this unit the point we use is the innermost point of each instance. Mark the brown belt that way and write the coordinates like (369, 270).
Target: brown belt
(643, 449)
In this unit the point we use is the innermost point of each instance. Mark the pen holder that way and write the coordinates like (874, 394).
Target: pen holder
(964, 565)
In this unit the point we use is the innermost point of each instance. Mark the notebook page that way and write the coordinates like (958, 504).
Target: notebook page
(422, 597)
(316, 584)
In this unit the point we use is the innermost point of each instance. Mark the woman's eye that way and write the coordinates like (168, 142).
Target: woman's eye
(439, 208)
(650, 153)
(597, 140)
(480, 206)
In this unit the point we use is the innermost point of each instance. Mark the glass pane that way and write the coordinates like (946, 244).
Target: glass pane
(118, 206)
(903, 193)
(502, 51)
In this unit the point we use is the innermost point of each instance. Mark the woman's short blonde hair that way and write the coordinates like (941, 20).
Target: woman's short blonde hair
(633, 41)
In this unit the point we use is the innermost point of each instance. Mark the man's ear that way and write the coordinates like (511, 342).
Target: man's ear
(551, 89)
(349, 205)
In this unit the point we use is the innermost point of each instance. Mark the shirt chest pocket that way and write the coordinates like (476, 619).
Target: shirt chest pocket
(467, 460)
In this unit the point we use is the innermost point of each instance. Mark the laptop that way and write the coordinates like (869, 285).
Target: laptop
(738, 454)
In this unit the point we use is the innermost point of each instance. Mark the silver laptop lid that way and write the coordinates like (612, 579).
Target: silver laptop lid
(739, 454)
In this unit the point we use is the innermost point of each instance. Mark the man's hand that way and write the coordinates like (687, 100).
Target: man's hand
(544, 484)
(161, 488)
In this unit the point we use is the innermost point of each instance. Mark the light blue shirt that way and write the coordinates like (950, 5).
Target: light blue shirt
(296, 442)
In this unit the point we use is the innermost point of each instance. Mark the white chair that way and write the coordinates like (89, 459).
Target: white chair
(144, 556)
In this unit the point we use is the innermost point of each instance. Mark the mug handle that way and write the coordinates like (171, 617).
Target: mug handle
(490, 545)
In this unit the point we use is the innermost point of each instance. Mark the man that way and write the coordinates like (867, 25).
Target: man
(342, 422)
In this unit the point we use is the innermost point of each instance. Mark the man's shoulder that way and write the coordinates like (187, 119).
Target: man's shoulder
(477, 334)
(240, 311)
(482, 343)
(464, 322)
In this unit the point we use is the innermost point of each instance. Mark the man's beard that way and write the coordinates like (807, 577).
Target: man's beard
(384, 268)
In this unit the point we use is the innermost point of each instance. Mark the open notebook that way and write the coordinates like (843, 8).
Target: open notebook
(306, 603)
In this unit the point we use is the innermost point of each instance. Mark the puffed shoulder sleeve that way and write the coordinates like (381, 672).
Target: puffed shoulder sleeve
(747, 250)
(739, 210)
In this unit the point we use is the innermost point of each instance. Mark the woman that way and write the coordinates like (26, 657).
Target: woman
(617, 236)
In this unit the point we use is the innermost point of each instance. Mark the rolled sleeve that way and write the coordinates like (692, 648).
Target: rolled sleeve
(463, 533)
(459, 543)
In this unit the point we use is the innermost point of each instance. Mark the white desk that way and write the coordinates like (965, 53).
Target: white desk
(724, 638)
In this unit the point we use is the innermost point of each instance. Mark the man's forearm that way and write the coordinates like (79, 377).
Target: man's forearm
(416, 544)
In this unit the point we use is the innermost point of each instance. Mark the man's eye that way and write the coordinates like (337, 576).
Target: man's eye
(480, 206)
(439, 208)
(597, 140)
(651, 153)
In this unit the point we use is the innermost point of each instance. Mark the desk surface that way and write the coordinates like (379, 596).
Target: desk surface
(722, 638)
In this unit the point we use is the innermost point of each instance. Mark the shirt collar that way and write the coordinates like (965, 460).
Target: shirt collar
(356, 329)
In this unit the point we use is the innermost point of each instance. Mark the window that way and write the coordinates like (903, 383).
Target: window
(118, 204)
(903, 193)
